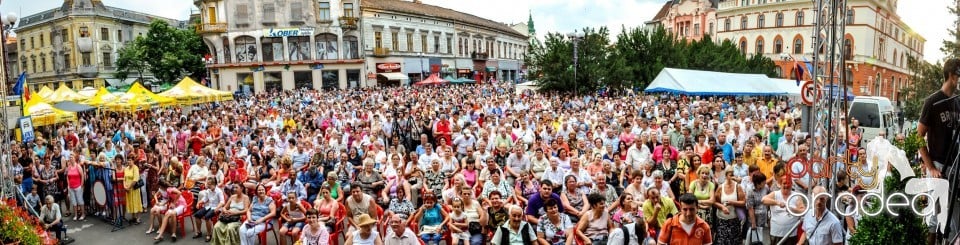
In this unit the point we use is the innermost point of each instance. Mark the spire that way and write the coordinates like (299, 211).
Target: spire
(530, 29)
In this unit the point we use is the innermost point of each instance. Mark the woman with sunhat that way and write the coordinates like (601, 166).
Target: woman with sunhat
(366, 235)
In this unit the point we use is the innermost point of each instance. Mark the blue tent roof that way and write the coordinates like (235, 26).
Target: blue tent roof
(708, 83)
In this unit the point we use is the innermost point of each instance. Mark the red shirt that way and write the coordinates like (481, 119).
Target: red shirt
(674, 234)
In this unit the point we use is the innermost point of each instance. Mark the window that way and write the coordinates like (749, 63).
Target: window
(33, 63)
(119, 36)
(83, 32)
(269, 13)
(298, 48)
(449, 45)
(877, 85)
(799, 20)
(850, 16)
(777, 45)
(759, 46)
(33, 44)
(743, 22)
(760, 20)
(880, 50)
(246, 47)
(779, 21)
(409, 41)
(395, 43)
(23, 63)
(348, 9)
(777, 70)
(41, 40)
(296, 12)
(23, 44)
(325, 11)
(436, 43)
(272, 48)
(377, 40)
(711, 29)
(696, 30)
(350, 47)
(798, 45)
(43, 63)
(107, 61)
(423, 43)
(327, 46)
(743, 47)
(66, 62)
(104, 34)
(242, 14)
(64, 35)
(744, 2)
(726, 24)
(86, 59)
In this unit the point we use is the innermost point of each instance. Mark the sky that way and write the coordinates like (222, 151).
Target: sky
(929, 18)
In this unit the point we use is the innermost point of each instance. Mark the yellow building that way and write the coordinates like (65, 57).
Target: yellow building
(77, 43)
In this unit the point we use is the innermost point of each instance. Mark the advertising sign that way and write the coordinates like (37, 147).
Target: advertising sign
(26, 129)
(288, 32)
(388, 67)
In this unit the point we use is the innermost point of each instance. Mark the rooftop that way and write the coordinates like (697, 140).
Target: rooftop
(438, 12)
(94, 9)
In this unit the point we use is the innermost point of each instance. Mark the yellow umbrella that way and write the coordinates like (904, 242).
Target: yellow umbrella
(43, 114)
(101, 97)
(138, 98)
(63, 93)
(188, 92)
(44, 91)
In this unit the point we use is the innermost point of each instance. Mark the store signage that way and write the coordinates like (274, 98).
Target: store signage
(288, 32)
(388, 67)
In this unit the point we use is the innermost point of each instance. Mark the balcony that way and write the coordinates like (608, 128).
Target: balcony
(479, 56)
(88, 71)
(84, 44)
(348, 22)
(381, 52)
(211, 28)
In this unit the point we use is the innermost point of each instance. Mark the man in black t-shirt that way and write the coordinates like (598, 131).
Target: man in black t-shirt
(939, 122)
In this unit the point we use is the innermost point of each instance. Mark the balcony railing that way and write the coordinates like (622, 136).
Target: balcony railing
(381, 52)
(479, 56)
(212, 28)
(348, 22)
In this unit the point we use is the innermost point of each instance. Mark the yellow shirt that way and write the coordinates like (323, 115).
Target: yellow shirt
(766, 166)
(666, 207)
(290, 123)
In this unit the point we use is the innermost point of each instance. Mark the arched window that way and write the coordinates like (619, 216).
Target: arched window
(877, 84)
(799, 20)
(743, 47)
(778, 70)
(743, 22)
(271, 48)
(246, 47)
(327, 46)
(760, 20)
(847, 49)
(759, 46)
(779, 21)
(777, 45)
(798, 45)
(351, 48)
(726, 24)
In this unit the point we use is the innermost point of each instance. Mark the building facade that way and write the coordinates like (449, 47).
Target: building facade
(76, 44)
(13, 70)
(687, 19)
(877, 42)
(407, 41)
(263, 45)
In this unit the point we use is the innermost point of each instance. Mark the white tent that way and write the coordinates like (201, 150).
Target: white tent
(707, 83)
(789, 86)
(522, 87)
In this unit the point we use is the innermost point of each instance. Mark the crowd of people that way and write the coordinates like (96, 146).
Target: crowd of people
(472, 164)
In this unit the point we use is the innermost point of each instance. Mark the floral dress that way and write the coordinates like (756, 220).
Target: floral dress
(555, 234)
(401, 207)
(435, 180)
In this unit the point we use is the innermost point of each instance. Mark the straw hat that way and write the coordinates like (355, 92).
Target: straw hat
(364, 219)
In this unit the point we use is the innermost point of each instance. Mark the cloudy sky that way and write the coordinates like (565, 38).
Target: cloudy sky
(927, 17)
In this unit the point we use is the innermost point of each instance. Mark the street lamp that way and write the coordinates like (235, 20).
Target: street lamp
(5, 155)
(575, 38)
(421, 65)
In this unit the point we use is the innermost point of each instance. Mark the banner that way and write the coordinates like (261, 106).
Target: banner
(26, 129)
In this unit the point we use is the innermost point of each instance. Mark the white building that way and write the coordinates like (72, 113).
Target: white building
(260, 45)
(406, 41)
(876, 39)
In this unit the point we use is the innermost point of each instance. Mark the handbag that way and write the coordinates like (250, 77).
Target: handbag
(429, 229)
(229, 218)
(138, 184)
(756, 235)
(474, 228)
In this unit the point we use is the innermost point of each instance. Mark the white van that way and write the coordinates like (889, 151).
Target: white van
(875, 115)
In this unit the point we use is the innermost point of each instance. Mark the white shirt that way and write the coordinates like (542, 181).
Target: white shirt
(407, 238)
(827, 230)
(211, 198)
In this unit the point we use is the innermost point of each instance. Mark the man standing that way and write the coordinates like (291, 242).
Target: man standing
(938, 124)
(821, 227)
(686, 228)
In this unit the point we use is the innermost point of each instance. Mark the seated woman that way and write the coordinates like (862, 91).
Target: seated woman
(160, 199)
(314, 233)
(432, 218)
(326, 207)
(526, 186)
(225, 231)
(594, 225)
(293, 216)
(175, 206)
(633, 232)
(50, 216)
(259, 216)
(400, 205)
(555, 228)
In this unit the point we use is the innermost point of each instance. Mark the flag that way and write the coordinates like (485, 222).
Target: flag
(809, 66)
(798, 71)
(18, 88)
(24, 98)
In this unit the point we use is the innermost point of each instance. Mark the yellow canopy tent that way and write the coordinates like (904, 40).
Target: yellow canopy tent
(43, 114)
(63, 93)
(101, 97)
(89, 92)
(189, 92)
(138, 98)
(45, 91)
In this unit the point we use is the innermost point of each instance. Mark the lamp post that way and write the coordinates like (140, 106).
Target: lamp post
(575, 38)
(7, 187)
(420, 54)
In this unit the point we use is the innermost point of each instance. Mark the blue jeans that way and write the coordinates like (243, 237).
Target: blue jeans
(431, 238)
(476, 239)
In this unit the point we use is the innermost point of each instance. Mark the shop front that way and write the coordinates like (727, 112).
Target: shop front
(390, 75)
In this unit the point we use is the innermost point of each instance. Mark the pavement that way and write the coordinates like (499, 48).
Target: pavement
(97, 231)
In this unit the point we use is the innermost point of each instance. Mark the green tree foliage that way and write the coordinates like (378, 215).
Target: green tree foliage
(885, 228)
(927, 79)
(952, 47)
(166, 52)
(633, 61)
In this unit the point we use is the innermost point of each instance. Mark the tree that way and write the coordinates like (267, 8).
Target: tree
(926, 79)
(952, 47)
(166, 52)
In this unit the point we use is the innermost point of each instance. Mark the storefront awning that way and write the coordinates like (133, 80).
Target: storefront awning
(491, 68)
(393, 76)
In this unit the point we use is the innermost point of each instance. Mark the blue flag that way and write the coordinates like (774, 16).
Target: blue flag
(18, 88)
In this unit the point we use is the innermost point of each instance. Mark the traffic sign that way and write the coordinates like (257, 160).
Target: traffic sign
(810, 93)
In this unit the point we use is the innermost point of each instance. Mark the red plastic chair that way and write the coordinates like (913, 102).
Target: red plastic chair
(339, 224)
(306, 205)
(187, 212)
(270, 225)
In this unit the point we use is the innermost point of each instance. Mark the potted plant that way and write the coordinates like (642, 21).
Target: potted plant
(19, 227)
